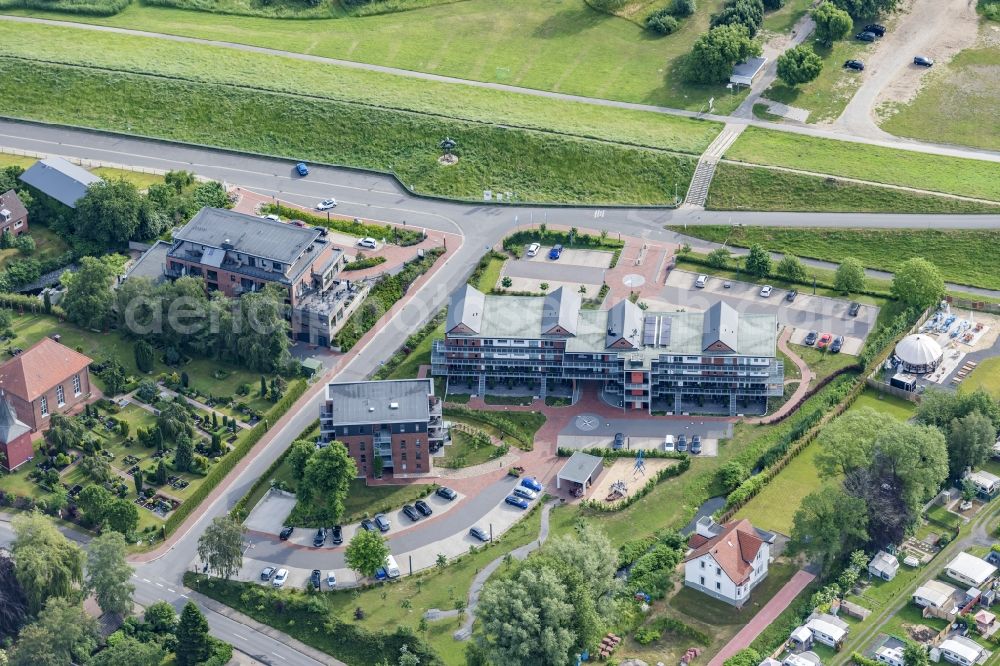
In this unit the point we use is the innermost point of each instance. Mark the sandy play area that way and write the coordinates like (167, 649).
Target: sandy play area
(624, 470)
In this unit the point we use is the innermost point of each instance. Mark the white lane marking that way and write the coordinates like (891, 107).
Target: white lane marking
(185, 596)
(171, 590)
(146, 580)
(279, 656)
(242, 638)
(159, 584)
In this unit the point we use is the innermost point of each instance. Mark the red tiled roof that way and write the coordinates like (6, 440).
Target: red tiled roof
(734, 548)
(34, 372)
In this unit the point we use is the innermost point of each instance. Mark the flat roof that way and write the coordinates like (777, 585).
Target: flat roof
(971, 567)
(387, 401)
(749, 67)
(151, 263)
(248, 234)
(580, 467)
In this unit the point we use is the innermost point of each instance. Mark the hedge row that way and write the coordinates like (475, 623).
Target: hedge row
(92, 8)
(564, 452)
(228, 462)
(362, 264)
(666, 473)
(398, 235)
(32, 304)
(409, 345)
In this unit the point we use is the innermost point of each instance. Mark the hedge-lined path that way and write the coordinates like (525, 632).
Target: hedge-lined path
(800, 391)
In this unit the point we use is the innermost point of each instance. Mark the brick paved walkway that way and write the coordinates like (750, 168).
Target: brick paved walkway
(807, 376)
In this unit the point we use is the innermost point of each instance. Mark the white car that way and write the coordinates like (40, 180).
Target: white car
(533, 249)
(273, 217)
(331, 580)
(668, 443)
(280, 578)
(765, 291)
(326, 204)
(368, 243)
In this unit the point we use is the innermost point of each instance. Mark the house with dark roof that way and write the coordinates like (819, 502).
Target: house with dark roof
(15, 438)
(13, 214)
(46, 379)
(727, 561)
(59, 179)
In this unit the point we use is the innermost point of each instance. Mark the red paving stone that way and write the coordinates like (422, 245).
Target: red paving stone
(764, 617)
(803, 387)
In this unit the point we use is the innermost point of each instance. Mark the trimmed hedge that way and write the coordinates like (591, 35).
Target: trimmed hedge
(564, 452)
(399, 236)
(361, 264)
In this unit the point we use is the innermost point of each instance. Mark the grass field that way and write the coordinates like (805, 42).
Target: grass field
(986, 376)
(140, 180)
(934, 115)
(293, 9)
(886, 404)
(559, 45)
(823, 363)
(533, 165)
(936, 173)
(962, 255)
(48, 245)
(741, 187)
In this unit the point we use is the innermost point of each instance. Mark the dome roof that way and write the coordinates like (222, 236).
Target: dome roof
(919, 350)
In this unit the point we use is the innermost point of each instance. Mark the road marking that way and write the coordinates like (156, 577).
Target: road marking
(159, 584)
(171, 590)
(242, 638)
(146, 580)
(279, 656)
(185, 596)
(598, 213)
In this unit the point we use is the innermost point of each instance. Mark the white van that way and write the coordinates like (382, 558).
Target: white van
(391, 568)
(668, 443)
(700, 282)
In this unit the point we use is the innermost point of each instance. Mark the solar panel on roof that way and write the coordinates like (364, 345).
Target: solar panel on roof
(664, 339)
(649, 330)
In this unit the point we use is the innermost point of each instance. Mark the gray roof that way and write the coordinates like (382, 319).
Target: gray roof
(151, 263)
(388, 401)
(248, 234)
(64, 182)
(580, 467)
(466, 309)
(722, 324)
(561, 308)
(624, 321)
(883, 561)
(749, 67)
(9, 201)
(10, 427)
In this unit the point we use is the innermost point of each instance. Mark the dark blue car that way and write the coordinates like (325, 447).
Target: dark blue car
(513, 500)
(555, 252)
(302, 169)
(530, 483)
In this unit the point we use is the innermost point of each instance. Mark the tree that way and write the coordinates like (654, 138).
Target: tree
(747, 13)
(662, 22)
(298, 456)
(407, 658)
(63, 634)
(221, 546)
(108, 214)
(918, 282)
(122, 516)
(914, 654)
(745, 657)
(130, 652)
(144, 356)
(137, 479)
(758, 261)
(939, 408)
(13, 603)
(161, 617)
(161, 473)
(590, 553)
(799, 64)
(64, 433)
(866, 8)
(719, 258)
(828, 524)
(109, 575)
(528, 618)
(832, 23)
(845, 444)
(366, 552)
(97, 468)
(732, 474)
(850, 276)
(970, 443)
(193, 643)
(173, 420)
(146, 391)
(94, 501)
(683, 7)
(184, 453)
(88, 300)
(326, 481)
(790, 268)
(715, 52)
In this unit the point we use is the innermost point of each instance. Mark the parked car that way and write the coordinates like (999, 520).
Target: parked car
(302, 169)
(267, 572)
(866, 36)
(320, 538)
(824, 340)
(682, 443)
(280, 578)
(382, 522)
(790, 296)
(619, 442)
(410, 512)
(337, 535)
(316, 578)
(701, 281)
(875, 28)
(446, 493)
(331, 580)
(368, 243)
(326, 204)
(367, 525)
(532, 483)
(556, 251)
(923, 61)
(837, 344)
(533, 249)
(479, 533)
(423, 508)
(766, 290)
(668, 443)
(810, 338)
(514, 500)
(521, 491)
(696, 444)
(855, 64)
(272, 217)
(285, 533)
(380, 574)
(854, 309)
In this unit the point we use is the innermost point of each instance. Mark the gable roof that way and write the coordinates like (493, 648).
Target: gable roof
(249, 234)
(10, 427)
(35, 371)
(64, 182)
(624, 323)
(935, 592)
(733, 548)
(10, 202)
(720, 332)
(971, 567)
(466, 310)
(883, 561)
(561, 309)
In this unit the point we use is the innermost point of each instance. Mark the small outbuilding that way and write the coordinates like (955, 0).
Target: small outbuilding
(580, 471)
(59, 179)
(970, 570)
(987, 485)
(745, 72)
(919, 353)
(883, 566)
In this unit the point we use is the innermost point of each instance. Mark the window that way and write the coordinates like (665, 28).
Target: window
(718, 571)
(60, 396)
(703, 564)
(363, 458)
(44, 405)
(402, 444)
(718, 586)
(76, 385)
(418, 455)
(702, 579)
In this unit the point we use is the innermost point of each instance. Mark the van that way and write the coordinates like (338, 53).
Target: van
(391, 568)
(700, 282)
(668, 443)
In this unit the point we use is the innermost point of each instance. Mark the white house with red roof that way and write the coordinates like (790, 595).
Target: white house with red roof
(727, 561)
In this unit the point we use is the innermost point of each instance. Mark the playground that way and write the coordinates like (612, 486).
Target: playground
(625, 470)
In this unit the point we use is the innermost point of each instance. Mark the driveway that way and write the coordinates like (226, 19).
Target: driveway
(807, 312)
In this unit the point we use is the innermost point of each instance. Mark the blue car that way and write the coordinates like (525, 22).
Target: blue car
(513, 500)
(530, 483)
(302, 169)
(555, 252)
(380, 574)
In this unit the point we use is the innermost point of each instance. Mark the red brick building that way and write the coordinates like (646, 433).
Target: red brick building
(46, 379)
(13, 214)
(15, 438)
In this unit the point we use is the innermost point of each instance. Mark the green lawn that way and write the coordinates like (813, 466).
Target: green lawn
(986, 375)
(886, 404)
(48, 245)
(821, 362)
(783, 19)
(533, 165)
(910, 614)
(560, 45)
(691, 603)
(139, 179)
(491, 276)
(364, 500)
(463, 452)
(742, 187)
(962, 255)
(967, 177)
(420, 355)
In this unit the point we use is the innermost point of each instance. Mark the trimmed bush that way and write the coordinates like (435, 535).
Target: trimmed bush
(361, 264)
(683, 7)
(662, 22)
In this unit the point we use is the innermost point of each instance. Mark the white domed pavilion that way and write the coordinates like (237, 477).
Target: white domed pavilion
(919, 353)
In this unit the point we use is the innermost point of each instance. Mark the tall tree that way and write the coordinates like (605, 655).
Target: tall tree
(850, 276)
(366, 552)
(758, 261)
(64, 433)
(799, 64)
(326, 481)
(63, 634)
(47, 564)
(109, 576)
(828, 524)
(184, 453)
(846, 443)
(791, 268)
(88, 300)
(13, 604)
(915, 654)
(715, 52)
(918, 282)
(108, 214)
(221, 546)
(161, 617)
(130, 652)
(95, 501)
(144, 356)
(193, 642)
(591, 553)
(122, 516)
(97, 467)
(940, 408)
(298, 456)
(832, 23)
(970, 443)
(173, 420)
(865, 9)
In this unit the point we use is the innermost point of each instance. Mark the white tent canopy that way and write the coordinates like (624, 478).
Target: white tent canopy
(919, 353)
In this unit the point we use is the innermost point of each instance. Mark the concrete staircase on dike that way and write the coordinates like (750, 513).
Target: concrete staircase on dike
(698, 189)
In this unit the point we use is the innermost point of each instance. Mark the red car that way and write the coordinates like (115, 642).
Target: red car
(824, 340)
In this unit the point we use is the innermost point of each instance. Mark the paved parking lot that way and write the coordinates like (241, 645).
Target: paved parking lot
(591, 258)
(852, 345)
(553, 271)
(807, 312)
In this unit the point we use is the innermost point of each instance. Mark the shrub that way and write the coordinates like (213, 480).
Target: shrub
(662, 22)
(683, 7)
(646, 635)
(361, 264)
